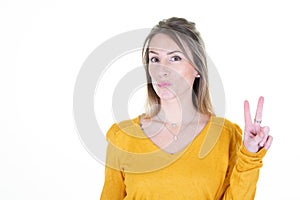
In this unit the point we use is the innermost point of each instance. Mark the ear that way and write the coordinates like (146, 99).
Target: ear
(197, 75)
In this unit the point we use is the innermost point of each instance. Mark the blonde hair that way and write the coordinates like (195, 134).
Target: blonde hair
(188, 39)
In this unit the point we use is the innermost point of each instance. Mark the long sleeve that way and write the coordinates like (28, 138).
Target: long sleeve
(244, 175)
(114, 187)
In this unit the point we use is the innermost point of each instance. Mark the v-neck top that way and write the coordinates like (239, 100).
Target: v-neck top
(215, 165)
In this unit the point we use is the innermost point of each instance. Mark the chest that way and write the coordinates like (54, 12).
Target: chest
(185, 178)
(173, 139)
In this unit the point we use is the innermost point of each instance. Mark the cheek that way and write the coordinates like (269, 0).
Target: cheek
(152, 72)
(188, 75)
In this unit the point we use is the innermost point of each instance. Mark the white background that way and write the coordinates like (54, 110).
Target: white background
(43, 44)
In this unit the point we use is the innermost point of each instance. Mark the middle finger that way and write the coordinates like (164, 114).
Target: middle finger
(258, 115)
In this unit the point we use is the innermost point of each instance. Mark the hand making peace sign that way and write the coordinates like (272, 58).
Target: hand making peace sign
(255, 136)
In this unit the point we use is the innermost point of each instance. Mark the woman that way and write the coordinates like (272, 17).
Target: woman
(179, 149)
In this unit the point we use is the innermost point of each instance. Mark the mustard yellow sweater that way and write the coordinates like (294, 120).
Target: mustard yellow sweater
(214, 166)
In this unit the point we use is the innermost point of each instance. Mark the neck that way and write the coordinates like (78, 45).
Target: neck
(177, 110)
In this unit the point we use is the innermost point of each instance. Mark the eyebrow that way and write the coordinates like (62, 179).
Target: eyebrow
(171, 52)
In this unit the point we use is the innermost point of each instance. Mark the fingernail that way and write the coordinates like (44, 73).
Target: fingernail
(261, 144)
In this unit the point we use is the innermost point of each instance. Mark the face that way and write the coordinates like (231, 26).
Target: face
(171, 72)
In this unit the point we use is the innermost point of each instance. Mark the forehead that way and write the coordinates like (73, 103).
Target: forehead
(163, 42)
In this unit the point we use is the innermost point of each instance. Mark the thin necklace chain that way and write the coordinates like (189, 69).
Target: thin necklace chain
(174, 125)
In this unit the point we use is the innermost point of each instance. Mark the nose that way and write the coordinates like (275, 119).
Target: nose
(163, 72)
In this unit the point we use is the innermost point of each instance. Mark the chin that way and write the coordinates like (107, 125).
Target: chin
(167, 97)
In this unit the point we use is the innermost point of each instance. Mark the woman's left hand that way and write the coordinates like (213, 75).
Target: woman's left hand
(256, 136)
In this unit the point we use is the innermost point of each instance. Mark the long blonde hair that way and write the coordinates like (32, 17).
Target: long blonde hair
(185, 35)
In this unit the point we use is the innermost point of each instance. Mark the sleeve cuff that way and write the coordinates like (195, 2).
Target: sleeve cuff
(260, 154)
(248, 160)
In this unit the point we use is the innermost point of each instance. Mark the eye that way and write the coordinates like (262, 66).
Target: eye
(154, 60)
(175, 58)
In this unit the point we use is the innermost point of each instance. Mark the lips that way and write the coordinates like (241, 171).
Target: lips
(164, 84)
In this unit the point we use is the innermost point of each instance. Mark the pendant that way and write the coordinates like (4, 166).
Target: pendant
(175, 137)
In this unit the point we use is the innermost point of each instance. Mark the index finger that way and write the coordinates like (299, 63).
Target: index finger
(258, 115)
(247, 115)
